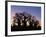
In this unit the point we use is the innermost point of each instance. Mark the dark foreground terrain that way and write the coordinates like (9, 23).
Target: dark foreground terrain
(24, 28)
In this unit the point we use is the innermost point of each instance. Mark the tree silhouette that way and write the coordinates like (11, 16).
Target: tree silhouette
(25, 22)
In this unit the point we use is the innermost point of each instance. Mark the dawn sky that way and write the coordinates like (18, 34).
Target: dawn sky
(34, 11)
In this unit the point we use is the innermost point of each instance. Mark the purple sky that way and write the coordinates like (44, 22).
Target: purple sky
(34, 11)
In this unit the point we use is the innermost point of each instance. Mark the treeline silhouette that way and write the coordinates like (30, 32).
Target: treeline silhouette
(24, 21)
